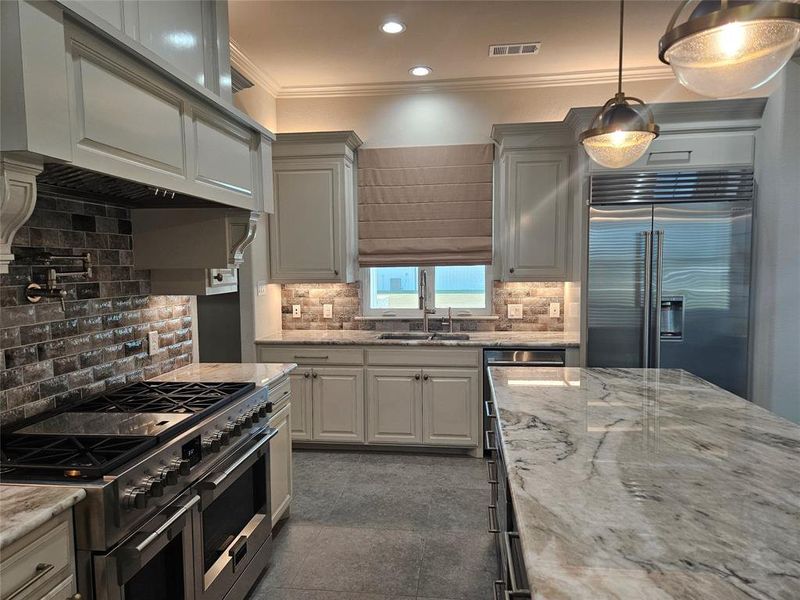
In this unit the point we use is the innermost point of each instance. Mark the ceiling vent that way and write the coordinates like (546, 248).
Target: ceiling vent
(520, 49)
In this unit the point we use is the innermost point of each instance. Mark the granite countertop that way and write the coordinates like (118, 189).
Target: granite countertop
(477, 339)
(633, 483)
(23, 508)
(259, 373)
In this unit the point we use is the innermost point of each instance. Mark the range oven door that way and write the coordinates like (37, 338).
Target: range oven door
(234, 519)
(155, 562)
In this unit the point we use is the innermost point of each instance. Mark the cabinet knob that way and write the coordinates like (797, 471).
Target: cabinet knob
(314, 375)
(425, 377)
(75, 597)
(416, 376)
(218, 277)
(511, 270)
(336, 271)
(306, 374)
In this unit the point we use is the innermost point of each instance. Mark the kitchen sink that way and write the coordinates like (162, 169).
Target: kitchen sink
(405, 335)
(419, 335)
(450, 336)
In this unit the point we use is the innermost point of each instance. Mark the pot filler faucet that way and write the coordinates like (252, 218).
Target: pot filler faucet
(423, 299)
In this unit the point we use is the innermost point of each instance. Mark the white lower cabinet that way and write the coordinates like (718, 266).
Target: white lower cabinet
(300, 381)
(394, 406)
(280, 463)
(450, 400)
(338, 404)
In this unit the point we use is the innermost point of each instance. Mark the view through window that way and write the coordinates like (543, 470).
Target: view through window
(397, 288)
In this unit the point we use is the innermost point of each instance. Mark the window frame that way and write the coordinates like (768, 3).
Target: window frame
(416, 313)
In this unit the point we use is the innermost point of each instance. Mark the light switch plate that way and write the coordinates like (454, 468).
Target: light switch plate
(295, 311)
(515, 311)
(152, 342)
(555, 309)
(262, 288)
(327, 311)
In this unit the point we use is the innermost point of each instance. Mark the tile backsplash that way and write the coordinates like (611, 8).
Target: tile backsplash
(346, 300)
(48, 356)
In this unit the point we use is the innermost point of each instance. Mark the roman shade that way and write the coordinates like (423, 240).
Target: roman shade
(428, 205)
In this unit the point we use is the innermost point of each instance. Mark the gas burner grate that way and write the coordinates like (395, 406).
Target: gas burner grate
(70, 455)
(165, 397)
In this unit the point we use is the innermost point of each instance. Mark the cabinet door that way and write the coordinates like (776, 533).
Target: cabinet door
(300, 382)
(537, 214)
(450, 407)
(394, 406)
(280, 464)
(338, 404)
(304, 230)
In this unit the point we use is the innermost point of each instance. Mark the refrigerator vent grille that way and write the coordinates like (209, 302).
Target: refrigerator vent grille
(672, 186)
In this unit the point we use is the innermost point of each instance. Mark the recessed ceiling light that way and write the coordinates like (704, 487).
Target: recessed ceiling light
(393, 27)
(420, 71)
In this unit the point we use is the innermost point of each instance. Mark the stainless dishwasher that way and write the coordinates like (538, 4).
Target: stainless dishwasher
(513, 357)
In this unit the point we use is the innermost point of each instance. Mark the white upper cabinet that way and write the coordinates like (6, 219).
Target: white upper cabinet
(312, 231)
(114, 108)
(537, 203)
(190, 35)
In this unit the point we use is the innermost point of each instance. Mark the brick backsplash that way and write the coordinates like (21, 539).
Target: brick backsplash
(49, 357)
(346, 299)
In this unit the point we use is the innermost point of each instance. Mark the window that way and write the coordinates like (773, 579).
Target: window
(394, 291)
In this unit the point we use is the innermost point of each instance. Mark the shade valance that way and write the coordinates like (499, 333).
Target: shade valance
(429, 205)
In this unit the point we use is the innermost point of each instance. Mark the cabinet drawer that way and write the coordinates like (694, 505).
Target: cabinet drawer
(433, 357)
(311, 355)
(279, 394)
(40, 565)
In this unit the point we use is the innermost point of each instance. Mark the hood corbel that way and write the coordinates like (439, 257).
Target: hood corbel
(17, 200)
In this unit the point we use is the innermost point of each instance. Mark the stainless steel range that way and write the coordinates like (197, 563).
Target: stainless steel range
(177, 484)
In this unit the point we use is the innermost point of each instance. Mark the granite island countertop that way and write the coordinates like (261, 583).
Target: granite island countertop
(23, 508)
(477, 339)
(262, 374)
(633, 484)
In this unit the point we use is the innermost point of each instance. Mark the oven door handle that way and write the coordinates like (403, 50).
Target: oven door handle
(210, 484)
(179, 515)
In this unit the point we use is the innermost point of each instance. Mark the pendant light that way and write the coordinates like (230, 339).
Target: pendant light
(727, 48)
(619, 135)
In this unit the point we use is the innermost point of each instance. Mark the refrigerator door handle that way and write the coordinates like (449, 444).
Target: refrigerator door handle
(659, 278)
(648, 273)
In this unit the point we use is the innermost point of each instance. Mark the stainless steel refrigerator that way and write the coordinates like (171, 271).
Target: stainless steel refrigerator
(669, 272)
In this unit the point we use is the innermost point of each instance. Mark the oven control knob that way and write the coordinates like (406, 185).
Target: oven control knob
(182, 465)
(153, 487)
(234, 429)
(212, 445)
(255, 416)
(223, 437)
(262, 410)
(244, 421)
(135, 498)
(169, 475)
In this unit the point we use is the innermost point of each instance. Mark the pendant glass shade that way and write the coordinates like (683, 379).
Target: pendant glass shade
(730, 51)
(619, 135)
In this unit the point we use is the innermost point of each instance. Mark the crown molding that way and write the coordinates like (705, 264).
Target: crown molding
(349, 138)
(251, 70)
(601, 76)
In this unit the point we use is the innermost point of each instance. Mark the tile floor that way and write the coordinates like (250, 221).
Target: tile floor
(383, 526)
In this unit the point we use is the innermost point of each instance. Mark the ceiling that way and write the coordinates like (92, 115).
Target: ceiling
(317, 48)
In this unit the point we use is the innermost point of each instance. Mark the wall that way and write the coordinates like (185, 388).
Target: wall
(259, 104)
(346, 300)
(48, 356)
(433, 118)
(775, 380)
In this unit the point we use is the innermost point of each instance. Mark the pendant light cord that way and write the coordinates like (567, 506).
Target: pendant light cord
(621, 23)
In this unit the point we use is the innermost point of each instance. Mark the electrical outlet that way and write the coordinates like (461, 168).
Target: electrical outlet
(327, 311)
(515, 311)
(295, 311)
(152, 342)
(262, 288)
(555, 309)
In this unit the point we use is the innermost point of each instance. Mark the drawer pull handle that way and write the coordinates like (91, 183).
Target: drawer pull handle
(42, 569)
(494, 526)
(301, 357)
(492, 472)
(499, 589)
(488, 408)
(516, 590)
(490, 446)
(238, 551)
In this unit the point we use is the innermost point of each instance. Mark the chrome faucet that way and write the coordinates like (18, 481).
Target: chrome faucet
(423, 299)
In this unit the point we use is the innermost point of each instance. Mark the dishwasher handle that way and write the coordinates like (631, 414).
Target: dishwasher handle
(513, 363)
